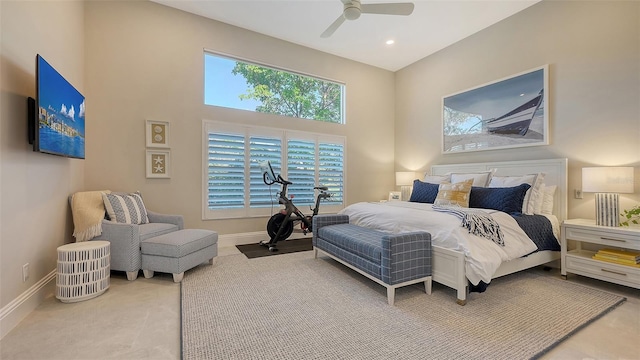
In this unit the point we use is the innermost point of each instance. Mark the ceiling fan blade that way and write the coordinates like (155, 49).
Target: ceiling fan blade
(388, 8)
(333, 27)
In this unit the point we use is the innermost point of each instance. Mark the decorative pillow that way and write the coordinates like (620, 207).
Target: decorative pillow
(437, 179)
(548, 194)
(424, 192)
(454, 194)
(533, 194)
(480, 178)
(508, 199)
(125, 208)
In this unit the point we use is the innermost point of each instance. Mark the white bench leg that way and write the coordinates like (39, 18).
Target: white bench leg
(427, 286)
(178, 277)
(212, 261)
(391, 295)
(132, 275)
(148, 274)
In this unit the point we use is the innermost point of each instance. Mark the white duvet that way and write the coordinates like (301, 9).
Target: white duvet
(483, 255)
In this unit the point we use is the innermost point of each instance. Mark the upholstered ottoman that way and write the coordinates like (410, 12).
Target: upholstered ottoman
(178, 251)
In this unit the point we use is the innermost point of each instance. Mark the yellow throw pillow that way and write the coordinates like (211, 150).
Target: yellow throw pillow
(454, 194)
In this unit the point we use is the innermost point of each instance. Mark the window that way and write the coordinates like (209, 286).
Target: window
(233, 184)
(242, 85)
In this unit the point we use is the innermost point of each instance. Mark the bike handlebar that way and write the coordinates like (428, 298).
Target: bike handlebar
(278, 180)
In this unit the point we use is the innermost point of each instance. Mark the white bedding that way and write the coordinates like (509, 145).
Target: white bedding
(483, 255)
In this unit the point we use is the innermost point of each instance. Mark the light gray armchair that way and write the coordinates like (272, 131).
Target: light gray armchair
(125, 239)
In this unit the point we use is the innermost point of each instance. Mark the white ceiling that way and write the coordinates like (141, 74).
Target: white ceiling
(433, 25)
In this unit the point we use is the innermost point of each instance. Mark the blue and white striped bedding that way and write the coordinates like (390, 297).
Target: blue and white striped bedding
(483, 255)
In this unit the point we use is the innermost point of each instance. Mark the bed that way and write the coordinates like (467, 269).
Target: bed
(460, 258)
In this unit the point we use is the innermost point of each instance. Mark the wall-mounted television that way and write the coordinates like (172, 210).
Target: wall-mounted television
(56, 115)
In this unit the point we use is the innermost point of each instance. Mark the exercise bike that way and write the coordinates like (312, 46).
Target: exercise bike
(280, 225)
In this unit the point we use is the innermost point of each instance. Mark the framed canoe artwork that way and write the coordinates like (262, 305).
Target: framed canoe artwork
(506, 113)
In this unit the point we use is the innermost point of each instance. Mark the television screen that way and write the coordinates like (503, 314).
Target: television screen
(59, 127)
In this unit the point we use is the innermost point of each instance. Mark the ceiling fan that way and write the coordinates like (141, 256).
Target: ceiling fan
(353, 9)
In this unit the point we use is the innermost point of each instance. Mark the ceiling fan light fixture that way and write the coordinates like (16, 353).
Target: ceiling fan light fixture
(351, 12)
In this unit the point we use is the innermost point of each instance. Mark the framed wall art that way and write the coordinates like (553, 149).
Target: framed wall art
(157, 134)
(506, 113)
(158, 163)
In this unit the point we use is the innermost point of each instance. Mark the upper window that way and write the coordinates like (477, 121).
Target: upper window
(241, 85)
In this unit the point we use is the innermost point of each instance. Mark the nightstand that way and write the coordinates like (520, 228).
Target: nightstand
(579, 261)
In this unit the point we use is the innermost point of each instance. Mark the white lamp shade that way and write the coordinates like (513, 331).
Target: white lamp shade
(607, 179)
(405, 178)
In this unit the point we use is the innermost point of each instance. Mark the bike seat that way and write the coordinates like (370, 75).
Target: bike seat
(323, 188)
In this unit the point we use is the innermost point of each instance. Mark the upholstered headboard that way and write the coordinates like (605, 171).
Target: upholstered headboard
(555, 174)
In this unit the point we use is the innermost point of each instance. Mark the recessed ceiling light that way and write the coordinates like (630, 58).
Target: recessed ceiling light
(390, 42)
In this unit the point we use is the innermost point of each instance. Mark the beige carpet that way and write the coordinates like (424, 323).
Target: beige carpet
(296, 307)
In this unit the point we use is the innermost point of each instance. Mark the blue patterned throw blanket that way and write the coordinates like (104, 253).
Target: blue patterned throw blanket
(477, 222)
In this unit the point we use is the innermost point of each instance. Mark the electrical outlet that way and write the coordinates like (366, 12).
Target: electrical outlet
(25, 272)
(578, 193)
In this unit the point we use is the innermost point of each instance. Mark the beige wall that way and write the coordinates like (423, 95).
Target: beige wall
(139, 60)
(145, 61)
(593, 52)
(35, 214)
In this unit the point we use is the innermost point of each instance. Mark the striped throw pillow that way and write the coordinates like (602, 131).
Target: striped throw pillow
(125, 208)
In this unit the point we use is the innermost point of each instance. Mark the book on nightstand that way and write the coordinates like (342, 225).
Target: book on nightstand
(621, 257)
(621, 254)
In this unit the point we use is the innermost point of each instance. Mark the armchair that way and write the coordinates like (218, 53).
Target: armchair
(125, 239)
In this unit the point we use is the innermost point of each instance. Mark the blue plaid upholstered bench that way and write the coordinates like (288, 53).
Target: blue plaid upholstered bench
(178, 251)
(391, 260)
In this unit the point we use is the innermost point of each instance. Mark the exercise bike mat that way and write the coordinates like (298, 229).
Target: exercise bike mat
(252, 251)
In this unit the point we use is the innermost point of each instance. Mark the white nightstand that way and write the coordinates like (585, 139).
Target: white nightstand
(579, 261)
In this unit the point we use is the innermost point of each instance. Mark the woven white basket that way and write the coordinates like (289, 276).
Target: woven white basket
(83, 270)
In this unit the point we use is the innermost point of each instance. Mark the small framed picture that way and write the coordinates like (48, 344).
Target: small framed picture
(395, 195)
(157, 134)
(158, 163)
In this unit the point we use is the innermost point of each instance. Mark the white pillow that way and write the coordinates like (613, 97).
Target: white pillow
(533, 195)
(548, 193)
(481, 178)
(437, 179)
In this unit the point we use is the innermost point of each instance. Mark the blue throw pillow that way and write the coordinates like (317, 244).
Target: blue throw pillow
(508, 199)
(424, 192)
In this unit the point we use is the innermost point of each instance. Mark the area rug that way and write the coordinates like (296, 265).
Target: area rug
(252, 251)
(298, 307)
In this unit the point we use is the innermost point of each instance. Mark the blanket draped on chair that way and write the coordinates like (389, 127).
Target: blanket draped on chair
(477, 222)
(88, 211)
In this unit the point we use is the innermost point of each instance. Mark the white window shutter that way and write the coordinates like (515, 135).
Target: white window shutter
(225, 171)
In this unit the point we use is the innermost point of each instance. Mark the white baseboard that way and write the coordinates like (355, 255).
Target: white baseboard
(15, 311)
(251, 238)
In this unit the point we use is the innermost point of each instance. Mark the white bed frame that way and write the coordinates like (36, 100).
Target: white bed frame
(449, 265)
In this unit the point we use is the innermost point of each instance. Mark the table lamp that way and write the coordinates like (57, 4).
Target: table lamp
(607, 183)
(404, 179)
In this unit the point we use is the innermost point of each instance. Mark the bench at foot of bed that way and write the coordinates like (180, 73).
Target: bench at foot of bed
(391, 260)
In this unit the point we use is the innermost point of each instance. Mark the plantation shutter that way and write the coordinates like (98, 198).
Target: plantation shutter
(233, 185)
(301, 170)
(331, 170)
(262, 148)
(225, 171)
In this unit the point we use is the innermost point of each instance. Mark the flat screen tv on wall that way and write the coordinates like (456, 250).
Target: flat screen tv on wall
(56, 115)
